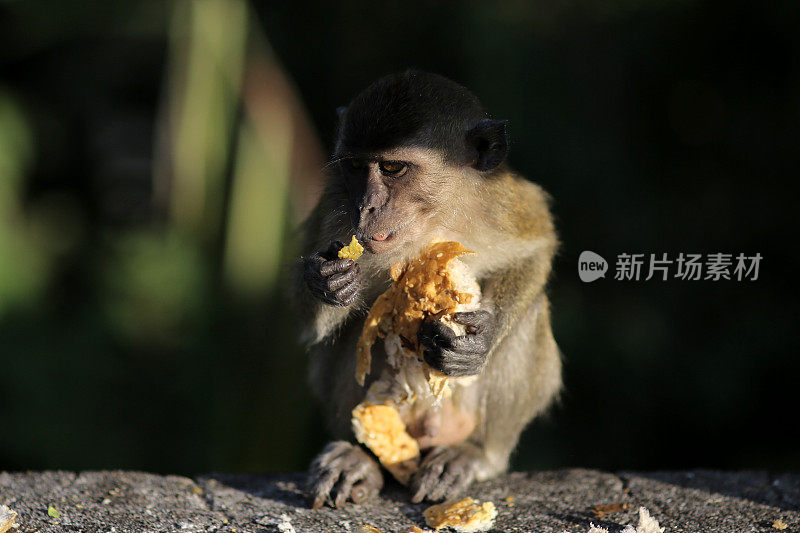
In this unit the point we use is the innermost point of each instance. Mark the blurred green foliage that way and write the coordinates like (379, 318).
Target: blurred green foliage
(155, 159)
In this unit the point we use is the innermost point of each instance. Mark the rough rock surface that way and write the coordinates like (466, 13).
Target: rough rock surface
(556, 501)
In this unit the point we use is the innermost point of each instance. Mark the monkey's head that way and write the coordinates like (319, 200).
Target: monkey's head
(409, 147)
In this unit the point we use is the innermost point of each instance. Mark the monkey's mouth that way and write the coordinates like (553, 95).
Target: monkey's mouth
(379, 242)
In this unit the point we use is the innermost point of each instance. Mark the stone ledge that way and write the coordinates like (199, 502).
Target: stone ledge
(554, 501)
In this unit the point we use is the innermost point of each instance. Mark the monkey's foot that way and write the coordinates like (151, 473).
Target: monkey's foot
(445, 472)
(343, 472)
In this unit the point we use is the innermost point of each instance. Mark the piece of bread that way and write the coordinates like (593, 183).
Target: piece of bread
(353, 251)
(426, 286)
(434, 284)
(464, 515)
(7, 517)
(380, 428)
(366, 528)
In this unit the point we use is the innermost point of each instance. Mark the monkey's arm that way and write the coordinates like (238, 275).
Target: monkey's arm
(324, 288)
(510, 292)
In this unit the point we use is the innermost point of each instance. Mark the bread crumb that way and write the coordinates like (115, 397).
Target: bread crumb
(647, 524)
(7, 517)
(600, 511)
(779, 524)
(364, 528)
(464, 515)
(285, 525)
(353, 251)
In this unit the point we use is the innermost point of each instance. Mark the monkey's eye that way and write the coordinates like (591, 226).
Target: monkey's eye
(393, 168)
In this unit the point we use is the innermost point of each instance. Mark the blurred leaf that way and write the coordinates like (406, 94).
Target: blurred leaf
(155, 284)
(258, 208)
(207, 45)
(23, 263)
(16, 147)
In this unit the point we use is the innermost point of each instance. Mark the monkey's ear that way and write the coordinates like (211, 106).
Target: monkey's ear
(488, 144)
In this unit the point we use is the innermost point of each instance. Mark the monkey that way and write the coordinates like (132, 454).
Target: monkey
(416, 157)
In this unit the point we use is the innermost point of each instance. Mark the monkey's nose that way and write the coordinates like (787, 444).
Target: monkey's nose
(366, 209)
(382, 236)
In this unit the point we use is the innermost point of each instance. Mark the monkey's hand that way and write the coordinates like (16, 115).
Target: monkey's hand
(355, 475)
(455, 355)
(334, 281)
(445, 472)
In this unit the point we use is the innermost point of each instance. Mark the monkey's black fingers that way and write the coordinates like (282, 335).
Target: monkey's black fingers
(425, 479)
(457, 476)
(346, 471)
(359, 470)
(314, 281)
(480, 321)
(477, 344)
(324, 472)
(455, 364)
(335, 266)
(445, 472)
(332, 252)
(337, 281)
(347, 295)
(435, 335)
(311, 266)
(342, 297)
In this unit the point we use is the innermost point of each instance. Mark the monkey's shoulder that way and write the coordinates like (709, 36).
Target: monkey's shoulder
(519, 206)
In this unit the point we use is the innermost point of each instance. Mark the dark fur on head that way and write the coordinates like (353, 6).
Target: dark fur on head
(420, 109)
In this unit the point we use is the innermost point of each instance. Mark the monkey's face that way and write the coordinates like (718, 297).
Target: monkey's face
(394, 195)
(411, 146)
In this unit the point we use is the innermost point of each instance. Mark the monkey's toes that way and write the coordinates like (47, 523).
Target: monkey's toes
(343, 472)
(444, 473)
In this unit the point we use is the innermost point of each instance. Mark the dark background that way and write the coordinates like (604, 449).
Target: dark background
(143, 231)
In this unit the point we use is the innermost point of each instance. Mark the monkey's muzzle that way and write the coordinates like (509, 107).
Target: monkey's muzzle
(381, 241)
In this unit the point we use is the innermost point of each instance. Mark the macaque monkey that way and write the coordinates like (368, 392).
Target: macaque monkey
(416, 157)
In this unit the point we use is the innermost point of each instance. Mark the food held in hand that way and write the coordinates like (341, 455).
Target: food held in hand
(434, 284)
(409, 392)
(353, 251)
